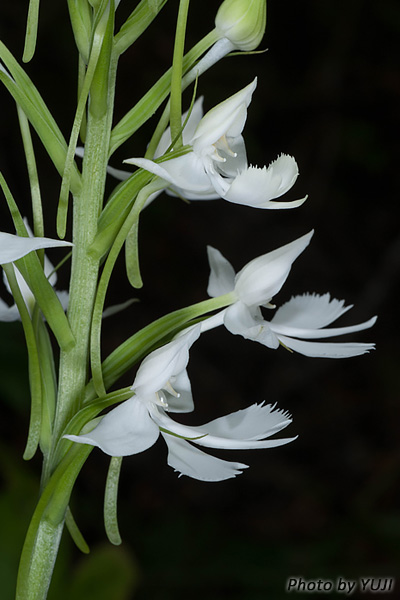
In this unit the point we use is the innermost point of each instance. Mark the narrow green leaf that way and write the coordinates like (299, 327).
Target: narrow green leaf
(137, 23)
(132, 257)
(27, 96)
(48, 379)
(31, 30)
(99, 90)
(34, 365)
(80, 14)
(75, 532)
(116, 211)
(110, 501)
(46, 297)
(37, 210)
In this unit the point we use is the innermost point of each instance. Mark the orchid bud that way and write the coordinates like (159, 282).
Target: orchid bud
(242, 22)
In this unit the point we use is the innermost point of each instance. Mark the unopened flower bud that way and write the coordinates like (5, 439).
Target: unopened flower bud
(242, 22)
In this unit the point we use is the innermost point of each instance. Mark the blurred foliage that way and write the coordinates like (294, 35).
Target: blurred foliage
(328, 504)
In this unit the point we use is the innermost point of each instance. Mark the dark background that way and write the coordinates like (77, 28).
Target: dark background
(326, 505)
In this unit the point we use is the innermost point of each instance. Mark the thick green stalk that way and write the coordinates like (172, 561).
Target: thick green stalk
(43, 537)
(85, 267)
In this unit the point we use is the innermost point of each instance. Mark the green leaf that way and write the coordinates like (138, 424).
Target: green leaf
(34, 365)
(75, 532)
(28, 98)
(110, 501)
(116, 211)
(37, 210)
(137, 23)
(48, 379)
(80, 14)
(31, 30)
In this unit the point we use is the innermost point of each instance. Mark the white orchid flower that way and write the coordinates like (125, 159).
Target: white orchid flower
(161, 385)
(217, 165)
(301, 319)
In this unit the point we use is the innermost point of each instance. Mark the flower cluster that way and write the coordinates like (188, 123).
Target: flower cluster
(208, 162)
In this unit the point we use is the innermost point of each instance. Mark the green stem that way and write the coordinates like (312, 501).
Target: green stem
(84, 269)
(43, 537)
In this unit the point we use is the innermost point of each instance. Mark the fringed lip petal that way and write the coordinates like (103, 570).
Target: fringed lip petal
(257, 187)
(201, 437)
(310, 311)
(252, 423)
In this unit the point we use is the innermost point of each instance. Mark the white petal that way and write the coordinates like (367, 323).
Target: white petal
(321, 333)
(185, 174)
(120, 174)
(169, 360)
(255, 422)
(150, 166)
(125, 430)
(190, 461)
(13, 247)
(257, 187)
(248, 322)
(309, 311)
(201, 437)
(264, 276)
(227, 118)
(326, 349)
(25, 290)
(222, 274)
